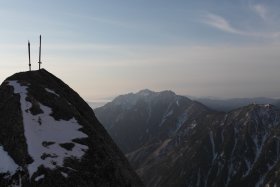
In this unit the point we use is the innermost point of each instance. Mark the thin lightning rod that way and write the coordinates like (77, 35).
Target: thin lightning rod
(29, 55)
(40, 54)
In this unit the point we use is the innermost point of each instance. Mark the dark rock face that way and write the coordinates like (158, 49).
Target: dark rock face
(239, 148)
(54, 138)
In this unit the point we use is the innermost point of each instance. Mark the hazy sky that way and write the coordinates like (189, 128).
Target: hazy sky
(220, 48)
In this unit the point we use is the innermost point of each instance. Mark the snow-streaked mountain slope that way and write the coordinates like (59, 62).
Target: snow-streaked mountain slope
(50, 137)
(198, 147)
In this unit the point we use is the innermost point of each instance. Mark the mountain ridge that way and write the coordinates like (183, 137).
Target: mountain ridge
(208, 148)
(226, 105)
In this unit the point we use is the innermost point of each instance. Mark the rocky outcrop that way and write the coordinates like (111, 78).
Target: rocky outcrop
(53, 138)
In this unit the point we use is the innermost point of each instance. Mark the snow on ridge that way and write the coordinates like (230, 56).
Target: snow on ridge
(144, 93)
(7, 164)
(44, 135)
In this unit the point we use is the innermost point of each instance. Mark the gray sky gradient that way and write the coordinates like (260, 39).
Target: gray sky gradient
(106, 48)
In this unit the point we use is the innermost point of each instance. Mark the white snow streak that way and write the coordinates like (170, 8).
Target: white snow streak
(177, 102)
(235, 141)
(212, 145)
(39, 177)
(166, 115)
(259, 145)
(248, 165)
(44, 128)
(52, 92)
(181, 120)
(64, 174)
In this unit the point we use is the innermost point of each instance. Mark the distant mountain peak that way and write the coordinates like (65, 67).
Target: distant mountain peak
(145, 92)
(143, 108)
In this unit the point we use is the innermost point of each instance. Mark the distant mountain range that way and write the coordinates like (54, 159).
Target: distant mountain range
(171, 140)
(226, 105)
(222, 105)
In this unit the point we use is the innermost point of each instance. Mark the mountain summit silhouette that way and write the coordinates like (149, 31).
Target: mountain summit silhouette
(50, 137)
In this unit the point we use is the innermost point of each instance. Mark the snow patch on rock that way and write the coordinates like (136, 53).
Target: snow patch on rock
(43, 129)
(7, 164)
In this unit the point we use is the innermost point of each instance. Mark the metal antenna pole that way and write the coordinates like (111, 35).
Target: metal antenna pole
(40, 54)
(29, 55)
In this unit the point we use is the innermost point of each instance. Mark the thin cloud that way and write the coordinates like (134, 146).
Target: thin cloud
(261, 10)
(222, 24)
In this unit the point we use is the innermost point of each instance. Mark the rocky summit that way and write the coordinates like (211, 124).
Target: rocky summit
(179, 142)
(49, 136)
